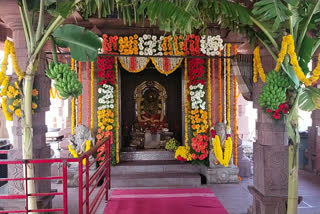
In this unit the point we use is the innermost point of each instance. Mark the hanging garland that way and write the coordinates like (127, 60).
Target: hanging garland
(222, 157)
(228, 85)
(166, 65)
(88, 94)
(225, 85)
(186, 104)
(219, 86)
(92, 96)
(54, 93)
(235, 126)
(209, 92)
(80, 97)
(213, 102)
(72, 104)
(288, 43)
(134, 64)
(117, 112)
(257, 66)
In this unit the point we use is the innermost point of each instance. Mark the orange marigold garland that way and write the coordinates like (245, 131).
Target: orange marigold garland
(235, 127)
(213, 101)
(209, 92)
(88, 94)
(92, 96)
(80, 97)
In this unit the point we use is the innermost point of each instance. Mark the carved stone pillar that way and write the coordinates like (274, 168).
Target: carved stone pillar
(270, 158)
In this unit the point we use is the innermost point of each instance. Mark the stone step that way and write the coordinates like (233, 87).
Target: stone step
(147, 155)
(156, 180)
(169, 166)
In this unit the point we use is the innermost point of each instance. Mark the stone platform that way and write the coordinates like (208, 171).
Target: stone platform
(149, 154)
(155, 173)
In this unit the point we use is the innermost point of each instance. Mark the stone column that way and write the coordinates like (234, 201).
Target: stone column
(270, 158)
(11, 17)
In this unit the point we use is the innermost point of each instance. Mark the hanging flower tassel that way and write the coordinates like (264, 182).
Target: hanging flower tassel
(80, 97)
(186, 104)
(219, 86)
(72, 104)
(222, 156)
(225, 86)
(213, 103)
(117, 110)
(235, 127)
(228, 85)
(92, 96)
(257, 66)
(88, 93)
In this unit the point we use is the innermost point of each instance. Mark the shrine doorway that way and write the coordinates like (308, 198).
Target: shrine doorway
(173, 103)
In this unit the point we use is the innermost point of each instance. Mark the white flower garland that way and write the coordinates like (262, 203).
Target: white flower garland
(150, 45)
(209, 45)
(107, 100)
(197, 96)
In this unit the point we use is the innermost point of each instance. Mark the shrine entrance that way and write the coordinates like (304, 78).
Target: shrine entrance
(151, 108)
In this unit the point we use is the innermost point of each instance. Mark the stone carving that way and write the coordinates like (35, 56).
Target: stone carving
(78, 140)
(217, 173)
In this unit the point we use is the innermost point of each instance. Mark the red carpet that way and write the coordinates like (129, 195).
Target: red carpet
(164, 201)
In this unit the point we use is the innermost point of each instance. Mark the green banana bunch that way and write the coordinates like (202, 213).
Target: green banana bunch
(273, 92)
(66, 80)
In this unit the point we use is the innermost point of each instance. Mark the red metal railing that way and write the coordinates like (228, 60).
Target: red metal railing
(91, 182)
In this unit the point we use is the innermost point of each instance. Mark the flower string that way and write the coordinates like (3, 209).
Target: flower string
(257, 66)
(80, 97)
(117, 111)
(219, 87)
(92, 96)
(228, 85)
(186, 104)
(222, 157)
(209, 92)
(235, 127)
(72, 104)
(213, 102)
(88, 93)
(225, 86)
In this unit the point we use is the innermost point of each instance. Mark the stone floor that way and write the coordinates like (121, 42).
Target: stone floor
(234, 197)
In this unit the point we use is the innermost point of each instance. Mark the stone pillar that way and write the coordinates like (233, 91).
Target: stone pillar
(270, 158)
(11, 17)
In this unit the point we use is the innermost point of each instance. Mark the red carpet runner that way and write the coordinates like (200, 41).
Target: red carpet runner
(164, 201)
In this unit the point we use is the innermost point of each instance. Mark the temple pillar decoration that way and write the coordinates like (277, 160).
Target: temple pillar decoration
(270, 158)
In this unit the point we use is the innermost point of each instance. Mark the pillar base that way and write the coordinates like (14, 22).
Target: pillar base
(222, 175)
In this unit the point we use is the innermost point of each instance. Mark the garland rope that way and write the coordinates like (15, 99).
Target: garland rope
(257, 66)
(225, 86)
(88, 93)
(209, 93)
(72, 104)
(228, 85)
(92, 96)
(235, 127)
(80, 97)
(186, 104)
(117, 110)
(219, 87)
(213, 99)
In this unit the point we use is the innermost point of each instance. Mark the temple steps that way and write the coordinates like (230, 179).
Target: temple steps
(154, 174)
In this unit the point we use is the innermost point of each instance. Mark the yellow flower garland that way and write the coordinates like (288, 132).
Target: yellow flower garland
(228, 84)
(184, 152)
(72, 104)
(117, 110)
(92, 96)
(8, 115)
(80, 97)
(257, 66)
(288, 44)
(209, 92)
(186, 104)
(223, 157)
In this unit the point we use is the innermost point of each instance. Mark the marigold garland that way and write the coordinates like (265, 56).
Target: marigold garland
(128, 45)
(219, 86)
(228, 85)
(186, 104)
(54, 93)
(257, 66)
(88, 93)
(80, 97)
(209, 92)
(225, 86)
(213, 102)
(72, 104)
(235, 126)
(9, 116)
(222, 157)
(92, 96)
(288, 44)
(117, 111)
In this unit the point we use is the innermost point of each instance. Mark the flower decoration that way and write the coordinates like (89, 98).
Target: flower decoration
(128, 45)
(107, 99)
(109, 44)
(183, 153)
(197, 96)
(150, 45)
(192, 45)
(209, 45)
(106, 72)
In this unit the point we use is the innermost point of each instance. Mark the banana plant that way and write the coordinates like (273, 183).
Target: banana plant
(83, 47)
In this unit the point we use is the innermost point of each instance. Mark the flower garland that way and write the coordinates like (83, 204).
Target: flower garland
(209, 92)
(88, 93)
(72, 104)
(128, 45)
(288, 43)
(183, 153)
(235, 126)
(191, 45)
(92, 96)
(222, 157)
(110, 43)
(117, 113)
(150, 45)
(106, 100)
(106, 73)
(186, 104)
(213, 102)
(225, 86)
(139, 63)
(228, 85)
(219, 87)
(210, 45)
(54, 93)
(173, 64)
(257, 66)
(80, 97)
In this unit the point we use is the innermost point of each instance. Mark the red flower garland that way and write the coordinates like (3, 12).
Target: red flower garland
(109, 44)
(196, 71)
(191, 45)
(106, 72)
